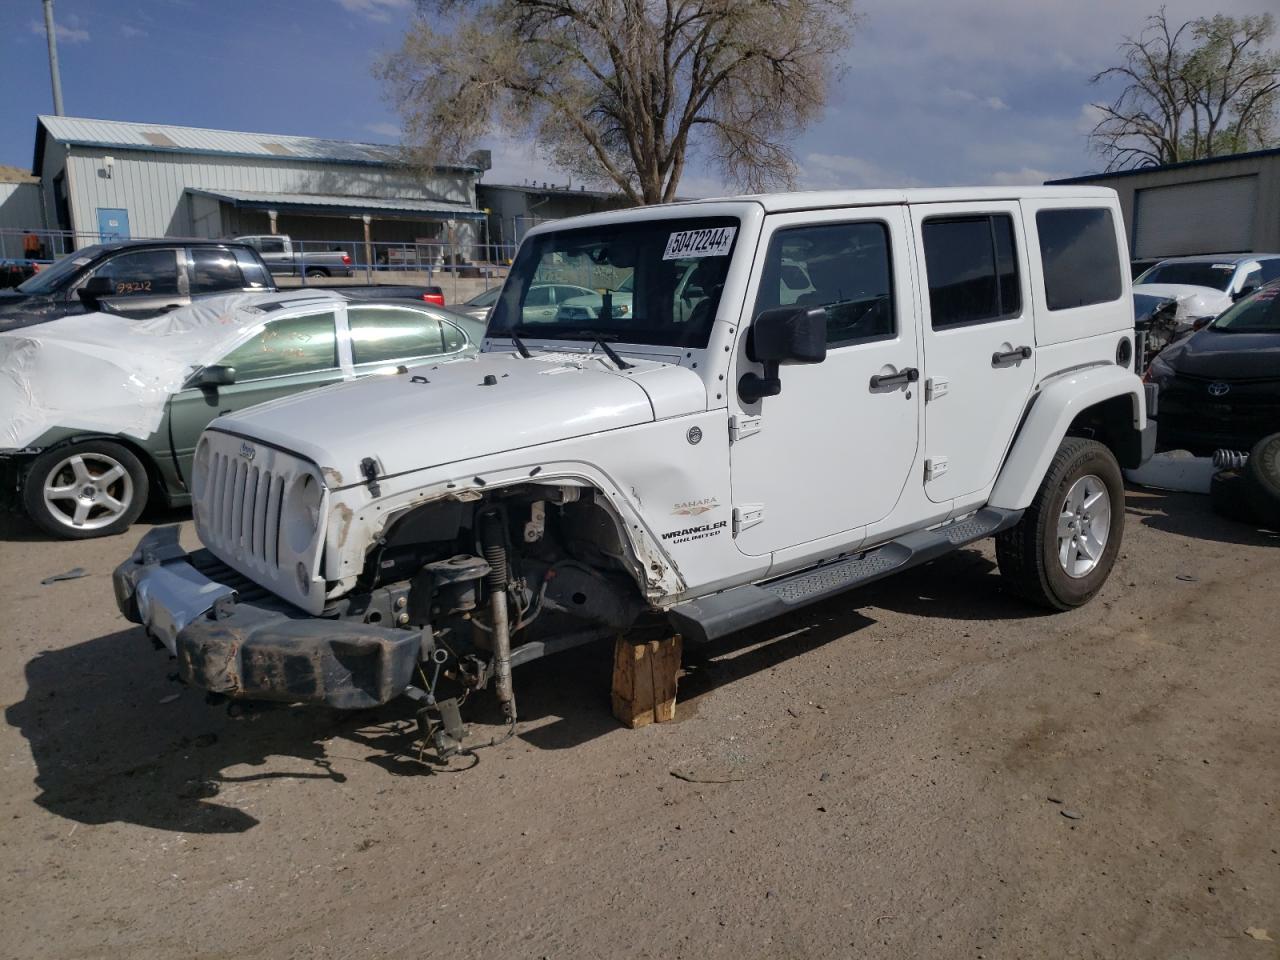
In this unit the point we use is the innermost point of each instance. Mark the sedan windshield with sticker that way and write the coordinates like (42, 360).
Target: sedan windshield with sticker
(647, 282)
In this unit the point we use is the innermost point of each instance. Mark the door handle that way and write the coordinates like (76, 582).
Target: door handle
(1017, 353)
(903, 377)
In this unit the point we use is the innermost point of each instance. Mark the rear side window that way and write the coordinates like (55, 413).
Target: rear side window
(1079, 256)
(286, 347)
(972, 267)
(214, 270)
(380, 334)
(842, 267)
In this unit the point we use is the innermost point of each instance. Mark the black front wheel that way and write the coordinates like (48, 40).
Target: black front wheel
(1062, 550)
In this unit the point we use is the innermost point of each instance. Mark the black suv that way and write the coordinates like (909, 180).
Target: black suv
(134, 276)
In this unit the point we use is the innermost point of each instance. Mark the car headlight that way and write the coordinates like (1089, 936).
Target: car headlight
(301, 514)
(1158, 371)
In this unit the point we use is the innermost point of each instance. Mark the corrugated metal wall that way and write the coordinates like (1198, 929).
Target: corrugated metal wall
(1266, 227)
(152, 186)
(20, 206)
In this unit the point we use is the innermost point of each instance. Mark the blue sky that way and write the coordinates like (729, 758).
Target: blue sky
(935, 92)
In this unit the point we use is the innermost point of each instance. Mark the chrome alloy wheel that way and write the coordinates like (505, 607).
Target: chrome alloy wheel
(88, 491)
(1084, 526)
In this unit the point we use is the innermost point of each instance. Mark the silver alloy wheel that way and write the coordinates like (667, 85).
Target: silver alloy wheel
(88, 491)
(1084, 526)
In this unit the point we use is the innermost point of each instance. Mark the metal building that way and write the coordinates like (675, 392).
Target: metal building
(102, 178)
(514, 210)
(1219, 205)
(19, 202)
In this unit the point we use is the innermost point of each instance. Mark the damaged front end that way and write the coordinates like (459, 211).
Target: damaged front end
(453, 595)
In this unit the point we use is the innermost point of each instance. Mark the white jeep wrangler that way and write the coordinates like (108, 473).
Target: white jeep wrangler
(845, 384)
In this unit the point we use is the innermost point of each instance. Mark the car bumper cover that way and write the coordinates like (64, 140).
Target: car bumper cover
(261, 648)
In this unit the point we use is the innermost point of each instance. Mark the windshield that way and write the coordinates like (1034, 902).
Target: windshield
(486, 299)
(662, 280)
(52, 277)
(1259, 313)
(1202, 274)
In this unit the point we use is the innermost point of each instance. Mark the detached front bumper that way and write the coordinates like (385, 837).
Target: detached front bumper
(233, 638)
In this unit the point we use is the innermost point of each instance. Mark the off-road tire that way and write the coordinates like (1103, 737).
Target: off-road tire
(101, 452)
(1027, 553)
(1262, 481)
(1229, 496)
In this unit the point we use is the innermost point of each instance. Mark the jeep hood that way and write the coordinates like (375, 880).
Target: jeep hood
(1193, 302)
(443, 413)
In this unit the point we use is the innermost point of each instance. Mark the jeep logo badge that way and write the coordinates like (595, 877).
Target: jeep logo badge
(247, 450)
(1219, 389)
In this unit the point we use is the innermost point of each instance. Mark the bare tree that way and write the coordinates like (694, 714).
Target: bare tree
(621, 91)
(1206, 88)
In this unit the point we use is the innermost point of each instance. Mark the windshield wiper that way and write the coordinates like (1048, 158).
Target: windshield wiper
(515, 338)
(601, 340)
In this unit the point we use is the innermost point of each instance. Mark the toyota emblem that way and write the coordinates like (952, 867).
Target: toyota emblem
(1219, 389)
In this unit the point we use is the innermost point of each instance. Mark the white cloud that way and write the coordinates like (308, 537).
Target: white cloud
(65, 32)
(131, 32)
(831, 171)
(1088, 119)
(380, 10)
(1027, 176)
(958, 95)
(385, 129)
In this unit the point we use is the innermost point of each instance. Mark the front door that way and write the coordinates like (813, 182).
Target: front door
(113, 224)
(833, 452)
(289, 355)
(979, 342)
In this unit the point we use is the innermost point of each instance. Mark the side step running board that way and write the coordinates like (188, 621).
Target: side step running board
(715, 616)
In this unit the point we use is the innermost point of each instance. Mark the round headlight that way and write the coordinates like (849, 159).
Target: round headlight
(1124, 352)
(300, 517)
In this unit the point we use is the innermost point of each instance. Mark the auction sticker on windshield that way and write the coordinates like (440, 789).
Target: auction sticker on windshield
(713, 242)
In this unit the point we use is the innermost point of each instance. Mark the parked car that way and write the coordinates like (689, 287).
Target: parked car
(1154, 318)
(1220, 387)
(14, 272)
(702, 474)
(1205, 286)
(105, 411)
(380, 291)
(284, 260)
(1138, 267)
(478, 307)
(133, 276)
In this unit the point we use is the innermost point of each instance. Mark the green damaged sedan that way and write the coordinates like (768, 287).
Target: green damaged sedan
(100, 414)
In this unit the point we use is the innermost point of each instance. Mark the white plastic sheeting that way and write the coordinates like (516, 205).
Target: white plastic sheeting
(103, 372)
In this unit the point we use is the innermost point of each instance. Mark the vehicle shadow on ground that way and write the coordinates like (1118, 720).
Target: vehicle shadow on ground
(1192, 515)
(17, 527)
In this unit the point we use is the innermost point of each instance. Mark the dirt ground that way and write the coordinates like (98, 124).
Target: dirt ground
(924, 768)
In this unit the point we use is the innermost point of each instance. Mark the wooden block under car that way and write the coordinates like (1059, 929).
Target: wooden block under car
(644, 680)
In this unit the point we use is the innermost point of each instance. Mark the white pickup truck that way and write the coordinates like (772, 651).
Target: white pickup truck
(868, 380)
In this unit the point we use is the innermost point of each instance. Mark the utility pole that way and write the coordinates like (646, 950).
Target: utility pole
(53, 58)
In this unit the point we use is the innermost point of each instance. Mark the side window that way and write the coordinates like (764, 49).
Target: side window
(1079, 255)
(214, 270)
(142, 273)
(539, 296)
(842, 267)
(972, 268)
(379, 334)
(454, 339)
(1252, 280)
(252, 270)
(287, 346)
(269, 245)
(1271, 269)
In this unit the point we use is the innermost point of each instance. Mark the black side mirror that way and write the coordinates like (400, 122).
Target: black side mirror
(94, 289)
(215, 375)
(778, 336)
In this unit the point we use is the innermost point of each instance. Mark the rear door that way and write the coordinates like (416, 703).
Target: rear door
(215, 270)
(833, 451)
(290, 354)
(979, 340)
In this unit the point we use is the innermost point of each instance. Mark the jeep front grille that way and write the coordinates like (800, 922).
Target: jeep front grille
(262, 511)
(245, 507)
